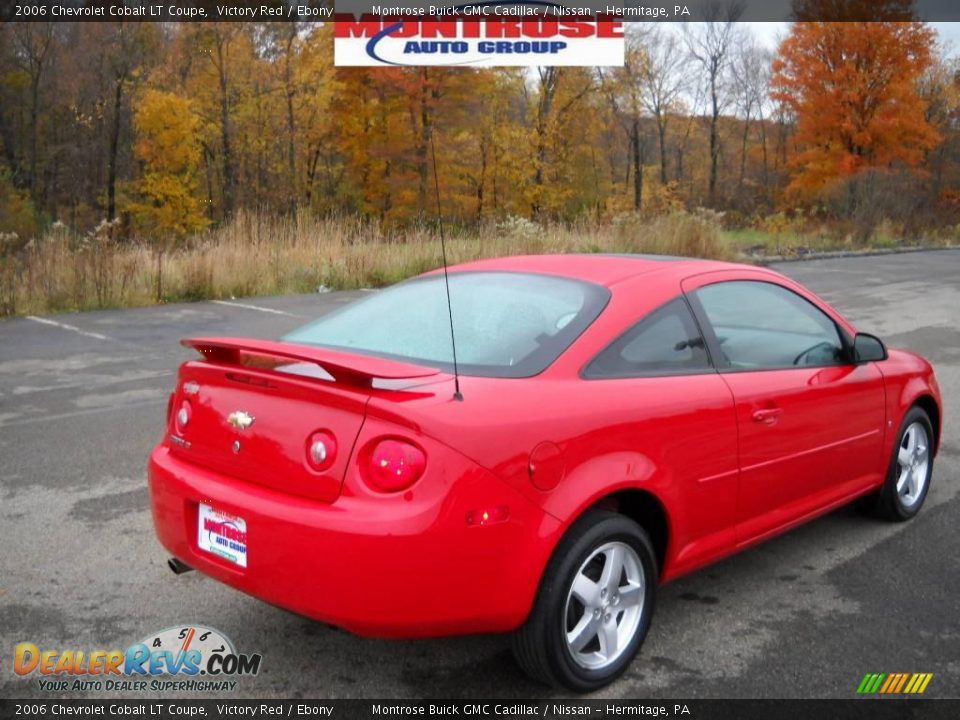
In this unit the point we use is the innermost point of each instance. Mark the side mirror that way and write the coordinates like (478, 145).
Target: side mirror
(868, 348)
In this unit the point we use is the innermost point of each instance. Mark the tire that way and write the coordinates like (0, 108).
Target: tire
(613, 614)
(911, 467)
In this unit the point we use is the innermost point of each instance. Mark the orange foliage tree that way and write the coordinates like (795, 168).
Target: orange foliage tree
(853, 89)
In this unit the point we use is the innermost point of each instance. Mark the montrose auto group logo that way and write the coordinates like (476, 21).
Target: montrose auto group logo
(479, 35)
(184, 658)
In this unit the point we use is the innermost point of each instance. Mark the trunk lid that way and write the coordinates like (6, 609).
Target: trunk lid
(254, 406)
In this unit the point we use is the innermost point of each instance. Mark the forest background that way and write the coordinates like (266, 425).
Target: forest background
(144, 163)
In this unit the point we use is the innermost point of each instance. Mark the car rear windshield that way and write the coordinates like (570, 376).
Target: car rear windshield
(506, 324)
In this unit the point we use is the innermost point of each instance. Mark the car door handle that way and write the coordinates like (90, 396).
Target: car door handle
(767, 416)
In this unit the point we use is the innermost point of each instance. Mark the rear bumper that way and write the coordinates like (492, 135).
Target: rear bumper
(398, 566)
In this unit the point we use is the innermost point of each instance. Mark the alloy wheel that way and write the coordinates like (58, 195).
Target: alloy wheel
(913, 462)
(604, 605)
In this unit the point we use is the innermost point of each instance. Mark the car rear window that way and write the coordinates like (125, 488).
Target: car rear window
(506, 324)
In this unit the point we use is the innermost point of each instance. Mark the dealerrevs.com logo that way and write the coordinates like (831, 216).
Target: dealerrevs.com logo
(484, 42)
(183, 658)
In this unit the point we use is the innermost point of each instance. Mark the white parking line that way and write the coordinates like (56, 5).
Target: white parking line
(254, 307)
(65, 326)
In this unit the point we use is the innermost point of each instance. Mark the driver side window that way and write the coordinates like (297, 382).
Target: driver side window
(761, 325)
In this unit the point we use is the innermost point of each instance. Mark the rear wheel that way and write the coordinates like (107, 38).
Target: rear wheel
(594, 604)
(911, 467)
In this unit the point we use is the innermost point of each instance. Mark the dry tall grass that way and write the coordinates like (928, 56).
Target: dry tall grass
(256, 254)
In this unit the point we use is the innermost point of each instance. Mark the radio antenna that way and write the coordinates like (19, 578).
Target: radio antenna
(446, 277)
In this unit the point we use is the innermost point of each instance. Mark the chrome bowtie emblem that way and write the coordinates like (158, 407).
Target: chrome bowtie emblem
(240, 419)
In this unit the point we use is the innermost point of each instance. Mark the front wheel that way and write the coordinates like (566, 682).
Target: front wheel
(594, 604)
(911, 467)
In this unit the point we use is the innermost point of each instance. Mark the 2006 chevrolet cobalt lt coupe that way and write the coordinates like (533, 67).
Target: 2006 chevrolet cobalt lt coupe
(620, 421)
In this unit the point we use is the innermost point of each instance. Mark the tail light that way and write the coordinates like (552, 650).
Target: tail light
(394, 465)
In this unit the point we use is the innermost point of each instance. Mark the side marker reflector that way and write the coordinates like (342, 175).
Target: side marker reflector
(488, 516)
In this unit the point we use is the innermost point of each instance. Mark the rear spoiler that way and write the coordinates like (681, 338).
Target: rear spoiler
(343, 367)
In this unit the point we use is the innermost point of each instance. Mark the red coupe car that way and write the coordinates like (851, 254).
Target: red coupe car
(617, 421)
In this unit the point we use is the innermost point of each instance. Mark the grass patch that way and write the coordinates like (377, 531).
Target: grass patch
(262, 255)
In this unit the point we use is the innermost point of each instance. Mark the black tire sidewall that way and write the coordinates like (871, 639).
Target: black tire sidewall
(890, 497)
(608, 528)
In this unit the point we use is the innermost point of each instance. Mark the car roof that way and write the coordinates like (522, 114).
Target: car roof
(602, 269)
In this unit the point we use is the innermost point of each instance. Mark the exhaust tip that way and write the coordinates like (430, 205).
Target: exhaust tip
(178, 567)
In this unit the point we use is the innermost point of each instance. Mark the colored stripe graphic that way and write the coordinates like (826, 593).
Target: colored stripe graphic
(870, 683)
(903, 681)
(894, 683)
(918, 683)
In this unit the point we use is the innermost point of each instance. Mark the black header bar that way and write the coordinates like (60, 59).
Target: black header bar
(480, 709)
(626, 10)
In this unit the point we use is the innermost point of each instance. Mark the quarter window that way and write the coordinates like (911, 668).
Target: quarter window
(762, 325)
(666, 342)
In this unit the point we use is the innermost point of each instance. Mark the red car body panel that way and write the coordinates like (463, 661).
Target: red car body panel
(536, 452)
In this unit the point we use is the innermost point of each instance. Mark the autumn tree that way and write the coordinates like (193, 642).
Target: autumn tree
(218, 51)
(290, 45)
(315, 88)
(557, 94)
(853, 88)
(663, 80)
(940, 89)
(169, 148)
(129, 48)
(370, 118)
(497, 114)
(627, 89)
(92, 117)
(34, 44)
(709, 44)
(17, 214)
(750, 73)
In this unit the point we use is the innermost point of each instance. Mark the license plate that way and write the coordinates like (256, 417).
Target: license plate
(223, 534)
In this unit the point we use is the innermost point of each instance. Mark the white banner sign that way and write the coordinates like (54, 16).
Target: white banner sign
(478, 43)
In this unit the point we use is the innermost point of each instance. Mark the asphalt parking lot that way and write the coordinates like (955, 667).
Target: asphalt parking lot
(82, 400)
